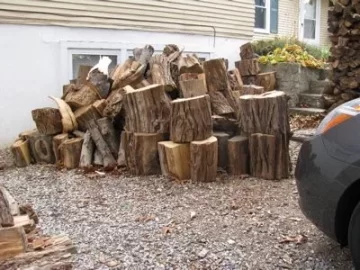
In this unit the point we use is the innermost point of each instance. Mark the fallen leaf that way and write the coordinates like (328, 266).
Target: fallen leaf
(300, 239)
(192, 214)
(112, 263)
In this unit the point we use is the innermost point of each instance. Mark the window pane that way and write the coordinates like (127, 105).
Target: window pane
(310, 10)
(260, 18)
(309, 29)
(260, 3)
(89, 60)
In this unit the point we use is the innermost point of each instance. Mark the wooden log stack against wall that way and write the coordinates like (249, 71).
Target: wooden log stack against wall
(344, 29)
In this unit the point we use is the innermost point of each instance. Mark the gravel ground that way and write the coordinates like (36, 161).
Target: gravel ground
(123, 222)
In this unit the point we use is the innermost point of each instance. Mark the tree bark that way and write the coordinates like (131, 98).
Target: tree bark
(160, 72)
(81, 96)
(87, 151)
(72, 151)
(100, 106)
(223, 159)
(47, 120)
(249, 67)
(114, 103)
(6, 219)
(109, 134)
(143, 55)
(238, 149)
(193, 87)
(131, 73)
(13, 242)
(57, 141)
(204, 160)
(235, 80)
(141, 153)
(189, 64)
(246, 51)
(191, 119)
(224, 124)
(84, 115)
(147, 110)
(42, 148)
(174, 159)
(219, 104)
(21, 153)
(252, 90)
(266, 80)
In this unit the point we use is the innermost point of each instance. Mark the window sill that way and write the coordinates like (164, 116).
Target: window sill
(261, 31)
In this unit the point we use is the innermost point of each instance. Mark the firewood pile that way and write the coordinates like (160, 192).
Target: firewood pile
(23, 245)
(167, 114)
(344, 27)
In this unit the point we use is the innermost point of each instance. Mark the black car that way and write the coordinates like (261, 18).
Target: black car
(328, 177)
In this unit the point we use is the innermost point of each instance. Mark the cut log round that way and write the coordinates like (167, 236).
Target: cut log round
(216, 75)
(81, 96)
(67, 116)
(6, 219)
(191, 119)
(204, 160)
(42, 147)
(109, 134)
(239, 159)
(252, 90)
(266, 80)
(147, 110)
(141, 152)
(47, 120)
(174, 159)
(87, 151)
(21, 153)
(57, 141)
(71, 149)
(193, 88)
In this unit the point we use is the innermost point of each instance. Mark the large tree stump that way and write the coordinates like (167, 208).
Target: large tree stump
(81, 96)
(71, 149)
(109, 134)
(190, 119)
(239, 159)
(87, 151)
(147, 110)
(249, 67)
(222, 139)
(175, 159)
(42, 147)
(141, 152)
(252, 90)
(193, 87)
(266, 80)
(6, 219)
(47, 120)
(204, 160)
(57, 141)
(268, 114)
(21, 153)
(160, 72)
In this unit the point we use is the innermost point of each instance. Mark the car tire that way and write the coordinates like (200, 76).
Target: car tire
(354, 237)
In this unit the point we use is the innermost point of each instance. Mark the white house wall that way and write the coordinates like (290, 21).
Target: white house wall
(36, 63)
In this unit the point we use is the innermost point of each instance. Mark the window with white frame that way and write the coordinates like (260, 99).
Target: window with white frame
(266, 16)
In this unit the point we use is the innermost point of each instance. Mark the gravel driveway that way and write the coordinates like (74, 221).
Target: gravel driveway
(123, 222)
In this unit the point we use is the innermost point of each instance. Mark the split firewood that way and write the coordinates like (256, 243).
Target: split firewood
(21, 153)
(47, 120)
(13, 242)
(219, 104)
(98, 158)
(170, 49)
(249, 67)
(109, 134)
(11, 202)
(131, 73)
(57, 141)
(82, 95)
(143, 55)
(246, 51)
(191, 119)
(42, 147)
(87, 151)
(121, 161)
(71, 150)
(189, 64)
(161, 73)
(6, 219)
(147, 110)
(235, 80)
(204, 160)
(238, 150)
(223, 159)
(67, 116)
(114, 103)
(266, 80)
(252, 90)
(174, 159)
(141, 152)
(84, 114)
(98, 76)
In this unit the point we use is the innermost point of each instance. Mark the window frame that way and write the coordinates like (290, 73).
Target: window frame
(267, 21)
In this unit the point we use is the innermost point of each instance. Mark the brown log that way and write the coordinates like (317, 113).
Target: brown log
(84, 115)
(236, 82)
(246, 51)
(11, 202)
(174, 159)
(100, 106)
(193, 87)
(141, 153)
(147, 110)
(249, 67)
(121, 161)
(25, 134)
(57, 141)
(266, 80)
(247, 80)
(42, 147)
(13, 242)
(252, 90)
(143, 55)
(219, 104)
(87, 151)
(170, 49)
(6, 219)
(268, 114)
(189, 64)
(160, 72)
(21, 153)
(223, 159)
(71, 149)
(130, 73)
(109, 134)
(224, 124)
(263, 150)
(190, 119)
(114, 103)
(204, 160)
(78, 134)
(47, 120)
(81, 96)
(216, 75)
(238, 152)
(67, 116)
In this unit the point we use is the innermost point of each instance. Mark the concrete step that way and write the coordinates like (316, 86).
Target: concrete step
(306, 111)
(321, 87)
(311, 100)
